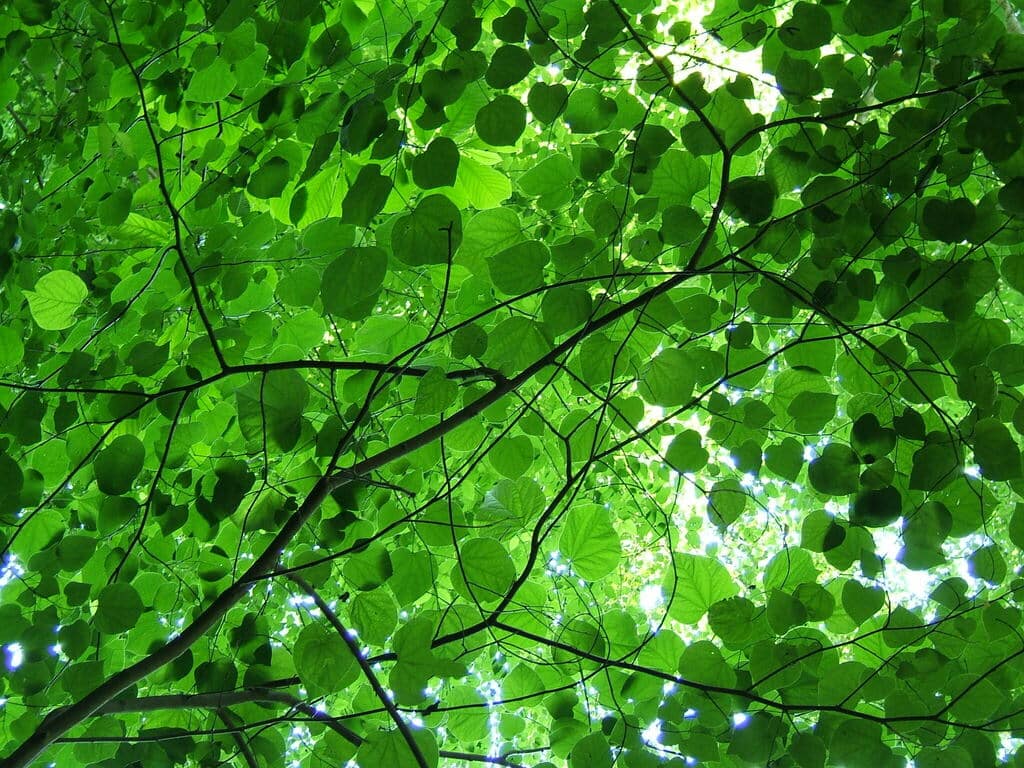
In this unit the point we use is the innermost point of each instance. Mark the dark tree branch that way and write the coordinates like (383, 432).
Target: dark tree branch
(367, 669)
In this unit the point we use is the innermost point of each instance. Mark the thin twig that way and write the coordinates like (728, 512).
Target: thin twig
(231, 721)
(364, 665)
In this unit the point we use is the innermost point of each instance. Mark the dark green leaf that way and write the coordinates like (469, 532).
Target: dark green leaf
(117, 465)
(501, 121)
(270, 179)
(836, 471)
(809, 27)
(351, 282)
(118, 608)
(437, 165)
(547, 102)
(685, 453)
(751, 198)
(430, 234)
(996, 451)
(509, 64)
(366, 197)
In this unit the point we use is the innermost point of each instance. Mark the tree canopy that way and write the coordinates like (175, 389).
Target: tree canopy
(525, 382)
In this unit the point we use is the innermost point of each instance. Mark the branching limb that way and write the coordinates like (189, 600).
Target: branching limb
(364, 665)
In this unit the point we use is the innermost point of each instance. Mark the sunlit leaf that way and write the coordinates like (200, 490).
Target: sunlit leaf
(700, 582)
(590, 542)
(56, 298)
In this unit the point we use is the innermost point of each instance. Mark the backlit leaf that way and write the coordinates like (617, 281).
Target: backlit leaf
(590, 542)
(55, 299)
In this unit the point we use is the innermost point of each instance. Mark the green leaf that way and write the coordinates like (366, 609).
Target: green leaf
(1016, 529)
(437, 166)
(995, 130)
(987, 563)
(73, 551)
(860, 602)
(489, 233)
(511, 27)
(788, 568)
(484, 571)
(430, 234)
(809, 28)
(871, 17)
(751, 198)
(322, 658)
(391, 748)
(877, 508)
(352, 282)
(548, 176)
(117, 465)
(413, 574)
(726, 502)
(213, 83)
(469, 341)
(366, 197)
(520, 268)
(1011, 196)
(435, 392)
(509, 65)
(755, 742)
(681, 224)
(363, 122)
(215, 676)
(678, 177)
(510, 503)
(368, 568)
(56, 298)
(685, 453)
(870, 439)
(590, 542)
(547, 102)
(114, 210)
(784, 611)
(785, 459)
(858, 744)
(589, 111)
(416, 662)
(836, 471)
(731, 619)
(668, 379)
(374, 616)
(934, 467)
(996, 451)
(273, 407)
(591, 751)
(12, 349)
(1008, 362)
(976, 699)
(516, 343)
(501, 121)
(482, 185)
(270, 179)
(798, 79)
(700, 582)
(118, 608)
(512, 455)
(949, 220)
